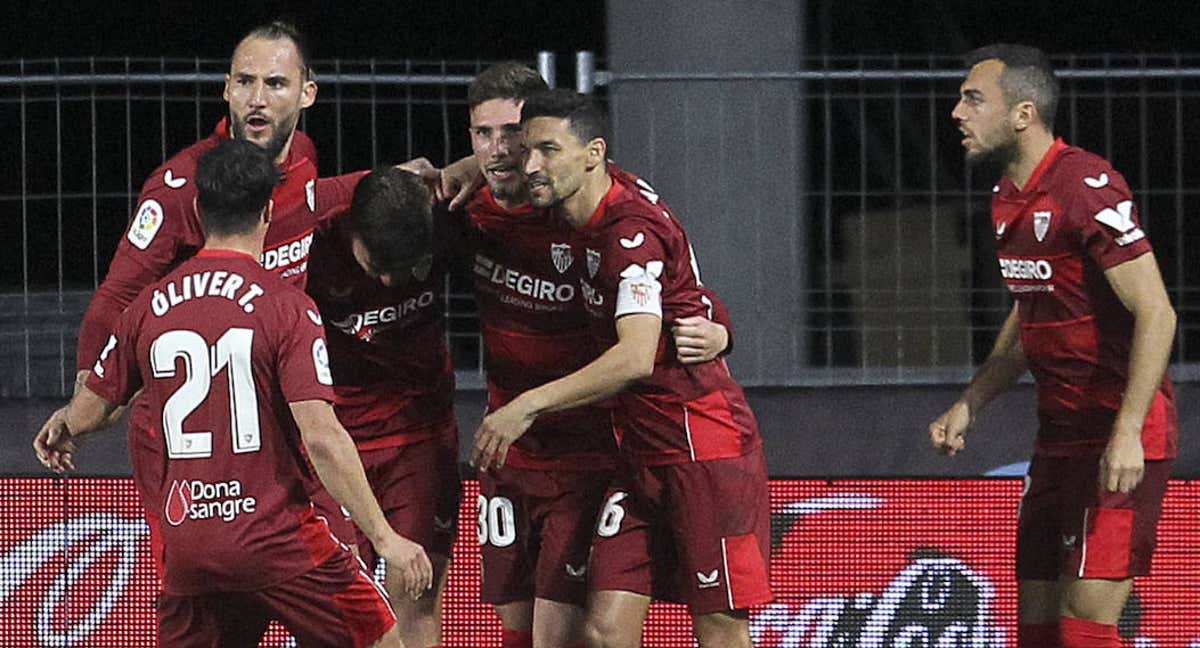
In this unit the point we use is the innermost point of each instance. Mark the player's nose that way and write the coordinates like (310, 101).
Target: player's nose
(531, 164)
(957, 114)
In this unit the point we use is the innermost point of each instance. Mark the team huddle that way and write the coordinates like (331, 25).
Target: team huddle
(619, 461)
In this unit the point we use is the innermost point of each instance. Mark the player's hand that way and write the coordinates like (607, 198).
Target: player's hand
(698, 339)
(54, 445)
(497, 432)
(429, 174)
(410, 562)
(948, 432)
(460, 181)
(1123, 463)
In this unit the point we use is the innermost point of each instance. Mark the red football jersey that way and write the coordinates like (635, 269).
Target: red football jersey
(220, 346)
(534, 328)
(165, 230)
(394, 382)
(635, 258)
(1074, 219)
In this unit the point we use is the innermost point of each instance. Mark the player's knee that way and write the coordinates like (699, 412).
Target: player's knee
(598, 634)
(390, 639)
(409, 611)
(727, 630)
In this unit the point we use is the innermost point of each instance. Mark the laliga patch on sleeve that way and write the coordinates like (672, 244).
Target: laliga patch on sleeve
(321, 362)
(146, 223)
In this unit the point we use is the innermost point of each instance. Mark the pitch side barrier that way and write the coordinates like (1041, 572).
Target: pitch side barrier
(862, 562)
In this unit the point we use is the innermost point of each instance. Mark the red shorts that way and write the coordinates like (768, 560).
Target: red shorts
(418, 488)
(697, 533)
(1069, 525)
(335, 604)
(535, 530)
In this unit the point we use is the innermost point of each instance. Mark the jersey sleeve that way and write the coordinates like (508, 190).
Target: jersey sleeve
(164, 228)
(719, 313)
(303, 357)
(303, 146)
(115, 374)
(1110, 227)
(635, 263)
(332, 195)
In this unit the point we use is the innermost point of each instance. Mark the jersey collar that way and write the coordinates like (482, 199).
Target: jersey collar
(609, 197)
(223, 253)
(1048, 160)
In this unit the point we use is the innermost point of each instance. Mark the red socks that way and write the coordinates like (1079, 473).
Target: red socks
(1038, 635)
(1080, 633)
(515, 639)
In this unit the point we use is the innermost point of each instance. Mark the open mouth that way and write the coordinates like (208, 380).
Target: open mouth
(501, 172)
(257, 123)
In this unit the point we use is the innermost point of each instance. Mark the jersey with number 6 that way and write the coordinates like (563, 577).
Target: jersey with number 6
(637, 259)
(1055, 237)
(220, 346)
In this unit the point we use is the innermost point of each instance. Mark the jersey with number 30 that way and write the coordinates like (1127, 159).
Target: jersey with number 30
(220, 346)
(637, 260)
(1055, 237)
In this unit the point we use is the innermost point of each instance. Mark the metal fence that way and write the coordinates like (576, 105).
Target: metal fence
(902, 281)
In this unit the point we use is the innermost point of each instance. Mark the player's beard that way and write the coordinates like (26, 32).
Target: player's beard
(995, 161)
(274, 146)
(510, 192)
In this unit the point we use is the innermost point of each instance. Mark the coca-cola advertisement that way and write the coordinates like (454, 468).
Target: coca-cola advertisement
(870, 563)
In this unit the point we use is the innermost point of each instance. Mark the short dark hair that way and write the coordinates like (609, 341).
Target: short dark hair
(505, 80)
(1028, 76)
(392, 216)
(234, 181)
(279, 30)
(584, 116)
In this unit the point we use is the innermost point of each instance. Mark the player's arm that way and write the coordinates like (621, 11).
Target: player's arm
(629, 360)
(1003, 367)
(59, 437)
(1138, 284)
(336, 461)
(162, 227)
(700, 339)
(459, 181)
(332, 195)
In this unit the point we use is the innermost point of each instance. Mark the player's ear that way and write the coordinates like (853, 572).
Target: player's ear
(225, 92)
(597, 151)
(266, 212)
(1024, 115)
(308, 93)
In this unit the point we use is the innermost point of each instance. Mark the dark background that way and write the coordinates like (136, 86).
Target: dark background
(490, 30)
(470, 31)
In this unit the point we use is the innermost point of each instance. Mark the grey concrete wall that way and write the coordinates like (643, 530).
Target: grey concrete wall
(811, 432)
(725, 154)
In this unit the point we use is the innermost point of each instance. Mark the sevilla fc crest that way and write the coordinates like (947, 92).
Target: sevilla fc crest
(593, 262)
(1041, 224)
(560, 254)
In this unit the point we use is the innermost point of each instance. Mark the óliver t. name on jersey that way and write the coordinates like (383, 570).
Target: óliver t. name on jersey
(198, 285)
